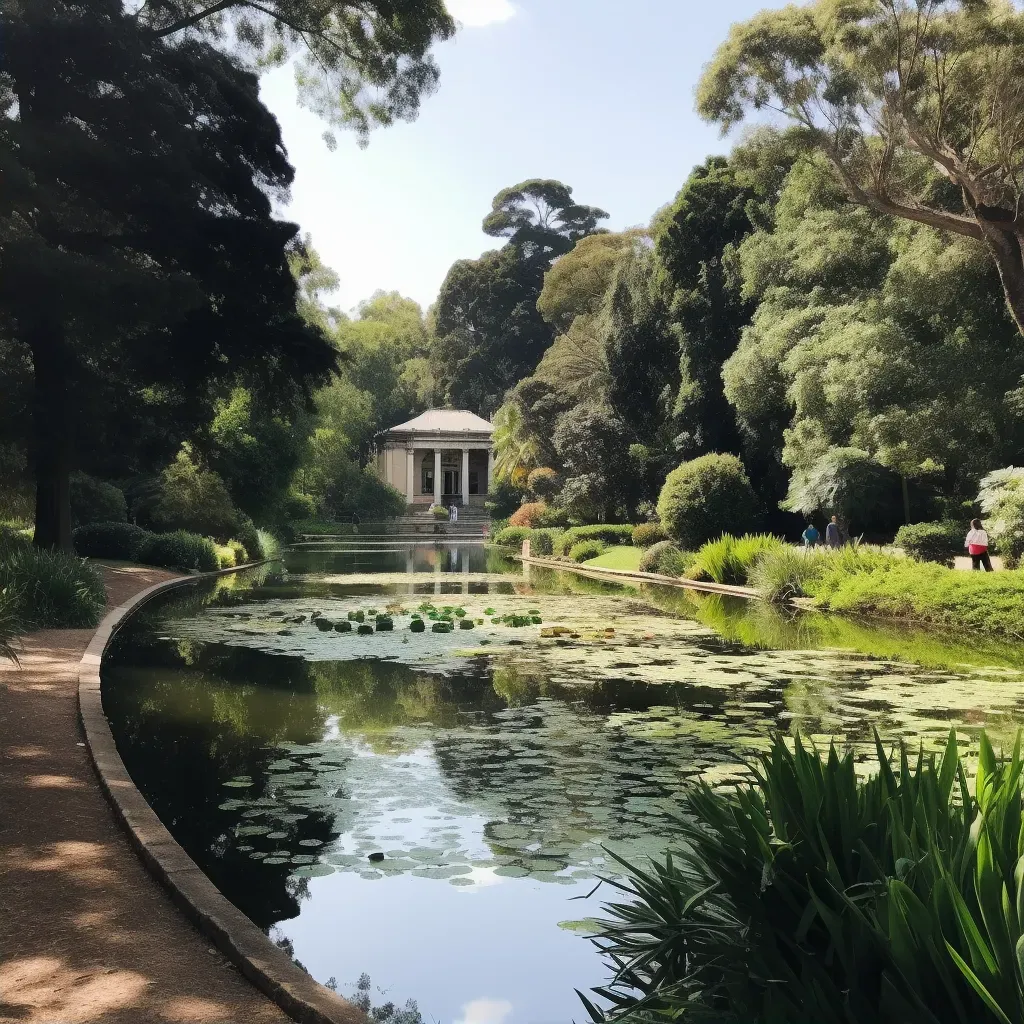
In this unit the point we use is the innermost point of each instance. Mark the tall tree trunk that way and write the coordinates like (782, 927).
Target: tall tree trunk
(906, 499)
(52, 435)
(1005, 245)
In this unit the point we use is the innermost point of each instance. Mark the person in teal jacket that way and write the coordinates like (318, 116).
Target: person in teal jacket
(811, 536)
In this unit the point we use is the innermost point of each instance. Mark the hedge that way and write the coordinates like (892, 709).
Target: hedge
(585, 550)
(120, 541)
(607, 532)
(512, 536)
(646, 534)
(932, 542)
(180, 550)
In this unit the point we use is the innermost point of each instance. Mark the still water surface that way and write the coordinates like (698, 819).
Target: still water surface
(495, 768)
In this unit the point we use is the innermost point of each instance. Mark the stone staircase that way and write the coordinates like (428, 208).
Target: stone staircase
(418, 525)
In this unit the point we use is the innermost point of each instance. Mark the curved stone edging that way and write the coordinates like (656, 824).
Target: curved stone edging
(629, 575)
(266, 966)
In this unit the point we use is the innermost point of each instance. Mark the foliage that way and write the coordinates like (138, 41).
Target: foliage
(543, 482)
(809, 894)
(730, 559)
(10, 624)
(610, 533)
(1001, 496)
(225, 556)
(515, 451)
(512, 536)
(666, 559)
(706, 496)
(194, 499)
(356, 69)
(646, 534)
(886, 92)
(49, 589)
(94, 501)
(182, 550)
(489, 332)
(119, 541)
(132, 149)
(932, 542)
(899, 588)
(249, 538)
(269, 546)
(542, 542)
(585, 550)
(529, 514)
(441, 513)
(782, 574)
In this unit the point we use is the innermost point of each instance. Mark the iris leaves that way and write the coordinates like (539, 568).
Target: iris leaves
(811, 894)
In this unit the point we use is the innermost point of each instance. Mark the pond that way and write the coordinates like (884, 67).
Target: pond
(498, 765)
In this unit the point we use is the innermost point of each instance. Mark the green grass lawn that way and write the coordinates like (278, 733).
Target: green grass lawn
(623, 556)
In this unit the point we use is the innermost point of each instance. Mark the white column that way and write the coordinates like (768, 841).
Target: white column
(410, 474)
(490, 469)
(465, 476)
(437, 476)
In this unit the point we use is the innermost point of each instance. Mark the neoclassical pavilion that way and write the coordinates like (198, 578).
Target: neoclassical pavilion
(442, 455)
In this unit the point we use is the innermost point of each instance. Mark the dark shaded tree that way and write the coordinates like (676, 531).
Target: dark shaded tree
(141, 266)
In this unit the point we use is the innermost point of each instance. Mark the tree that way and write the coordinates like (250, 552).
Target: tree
(886, 89)
(540, 214)
(876, 335)
(142, 267)
(515, 450)
(591, 445)
(359, 63)
(489, 333)
(577, 282)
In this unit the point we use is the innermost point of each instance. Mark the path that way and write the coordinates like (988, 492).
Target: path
(85, 933)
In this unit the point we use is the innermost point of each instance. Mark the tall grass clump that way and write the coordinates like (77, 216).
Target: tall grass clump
(730, 559)
(49, 589)
(268, 546)
(666, 559)
(810, 894)
(785, 573)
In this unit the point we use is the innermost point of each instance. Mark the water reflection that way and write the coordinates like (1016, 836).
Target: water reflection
(491, 767)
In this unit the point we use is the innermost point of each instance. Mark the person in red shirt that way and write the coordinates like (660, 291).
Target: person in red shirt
(977, 546)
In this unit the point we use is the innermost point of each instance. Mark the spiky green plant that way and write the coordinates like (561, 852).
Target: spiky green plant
(730, 559)
(810, 894)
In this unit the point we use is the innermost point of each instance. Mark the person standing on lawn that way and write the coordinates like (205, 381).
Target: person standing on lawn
(833, 535)
(811, 536)
(977, 546)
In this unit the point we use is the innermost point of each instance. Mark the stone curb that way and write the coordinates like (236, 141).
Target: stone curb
(628, 575)
(266, 966)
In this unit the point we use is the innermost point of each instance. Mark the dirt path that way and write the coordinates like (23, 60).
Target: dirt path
(85, 933)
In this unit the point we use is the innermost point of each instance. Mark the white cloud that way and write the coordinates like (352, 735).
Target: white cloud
(485, 1011)
(477, 13)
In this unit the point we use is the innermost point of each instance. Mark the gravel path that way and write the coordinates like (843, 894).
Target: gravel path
(85, 933)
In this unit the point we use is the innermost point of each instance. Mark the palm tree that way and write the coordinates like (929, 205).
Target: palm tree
(515, 450)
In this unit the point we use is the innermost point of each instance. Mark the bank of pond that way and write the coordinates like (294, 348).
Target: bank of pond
(422, 800)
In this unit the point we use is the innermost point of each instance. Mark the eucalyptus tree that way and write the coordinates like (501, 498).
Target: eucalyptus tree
(359, 63)
(888, 89)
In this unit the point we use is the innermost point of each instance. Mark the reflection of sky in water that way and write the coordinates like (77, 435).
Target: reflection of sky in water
(464, 954)
(490, 766)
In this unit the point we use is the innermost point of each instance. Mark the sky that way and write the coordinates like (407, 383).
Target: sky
(595, 93)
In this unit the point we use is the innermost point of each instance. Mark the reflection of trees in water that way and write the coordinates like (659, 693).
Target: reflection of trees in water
(184, 732)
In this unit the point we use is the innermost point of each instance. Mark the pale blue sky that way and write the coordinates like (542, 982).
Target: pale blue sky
(596, 93)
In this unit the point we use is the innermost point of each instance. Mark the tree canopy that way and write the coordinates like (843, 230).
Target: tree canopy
(888, 90)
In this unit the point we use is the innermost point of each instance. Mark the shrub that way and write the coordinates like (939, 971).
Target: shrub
(542, 542)
(607, 532)
(543, 483)
(93, 501)
(647, 534)
(528, 514)
(238, 550)
(51, 589)
(813, 894)
(194, 499)
(585, 550)
(110, 540)
(706, 497)
(932, 542)
(225, 556)
(439, 512)
(730, 559)
(667, 559)
(179, 550)
(512, 536)
(553, 517)
(249, 538)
